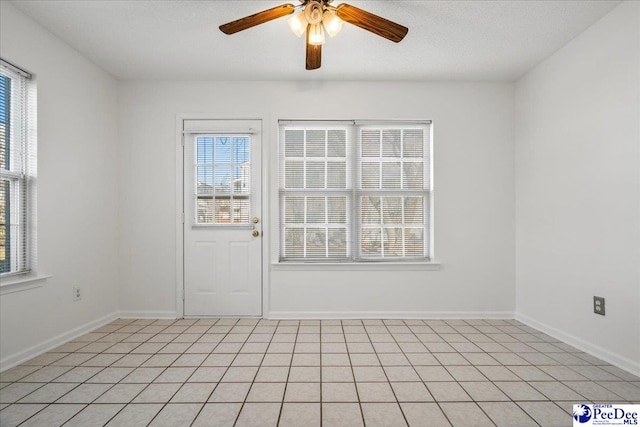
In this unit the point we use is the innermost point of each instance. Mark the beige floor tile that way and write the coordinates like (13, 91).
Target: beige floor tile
(556, 390)
(121, 393)
(341, 415)
(424, 415)
(110, 375)
(249, 359)
(13, 415)
(277, 359)
(85, 393)
(300, 414)
(462, 414)
(433, 373)
(211, 374)
(221, 360)
(519, 390)
(507, 414)
(53, 415)
(626, 390)
(48, 393)
(363, 359)
(103, 360)
(375, 392)
(142, 375)
(382, 415)
(266, 392)
(447, 392)
(304, 374)
(131, 360)
(546, 413)
(593, 391)
(175, 375)
(411, 392)
(401, 373)
(17, 373)
(240, 374)
(46, 374)
(337, 374)
(176, 414)
(189, 360)
(259, 415)
(498, 373)
(218, 414)
(301, 359)
(302, 392)
(160, 360)
(466, 373)
(94, 415)
(369, 374)
(16, 391)
(398, 359)
(484, 391)
(276, 374)
(530, 373)
(157, 393)
(339, 392)
(135, 415)
(194, 393)
(230, 392)
(336, 359)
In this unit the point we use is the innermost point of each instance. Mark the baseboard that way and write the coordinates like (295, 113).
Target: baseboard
(148, 315)
(389, 315)
(36, 350)
(594, 350)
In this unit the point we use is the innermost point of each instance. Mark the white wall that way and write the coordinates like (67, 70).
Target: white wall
(474, 197)
(77, 191)
(578, 189)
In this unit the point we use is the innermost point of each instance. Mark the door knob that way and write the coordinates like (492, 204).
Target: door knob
(255, 233)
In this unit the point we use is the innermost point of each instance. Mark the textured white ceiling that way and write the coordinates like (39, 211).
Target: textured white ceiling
(447, 40)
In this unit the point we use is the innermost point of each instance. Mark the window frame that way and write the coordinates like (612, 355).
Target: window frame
(19, 175)
(355, 192)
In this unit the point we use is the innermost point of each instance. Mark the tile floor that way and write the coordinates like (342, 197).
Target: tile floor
(251, 372)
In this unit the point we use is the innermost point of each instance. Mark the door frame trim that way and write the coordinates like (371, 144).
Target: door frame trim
(179, 204)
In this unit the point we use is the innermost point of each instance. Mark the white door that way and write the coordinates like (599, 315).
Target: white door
(222, 218)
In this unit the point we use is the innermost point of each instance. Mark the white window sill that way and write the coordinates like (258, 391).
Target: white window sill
(22, 283)
(356, 266)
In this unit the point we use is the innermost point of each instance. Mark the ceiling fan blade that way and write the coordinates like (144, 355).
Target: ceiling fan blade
(314, 53)
(370, 22)
(257, 19)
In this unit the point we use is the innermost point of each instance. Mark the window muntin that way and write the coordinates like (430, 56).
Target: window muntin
(222, 179)
(367, 200)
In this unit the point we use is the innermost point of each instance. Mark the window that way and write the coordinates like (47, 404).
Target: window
(17, 171)
(354, 191)
(222, 179)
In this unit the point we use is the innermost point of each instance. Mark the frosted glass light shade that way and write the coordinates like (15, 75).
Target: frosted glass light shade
(332, 23)
(316, 34)
(298, 24)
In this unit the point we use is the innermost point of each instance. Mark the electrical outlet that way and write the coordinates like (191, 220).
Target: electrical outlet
(77, 295)
(598, 305)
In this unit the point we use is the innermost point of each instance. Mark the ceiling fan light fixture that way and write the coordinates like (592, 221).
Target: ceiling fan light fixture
(331, 22)
(298, 24)
(316, 34)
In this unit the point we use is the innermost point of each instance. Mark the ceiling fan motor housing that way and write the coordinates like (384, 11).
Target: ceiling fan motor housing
(313, 12)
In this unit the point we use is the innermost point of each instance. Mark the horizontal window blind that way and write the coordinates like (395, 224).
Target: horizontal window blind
(354, 191)
(17, 170)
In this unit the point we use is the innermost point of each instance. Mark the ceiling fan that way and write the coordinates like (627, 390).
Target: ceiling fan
(316, 17)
